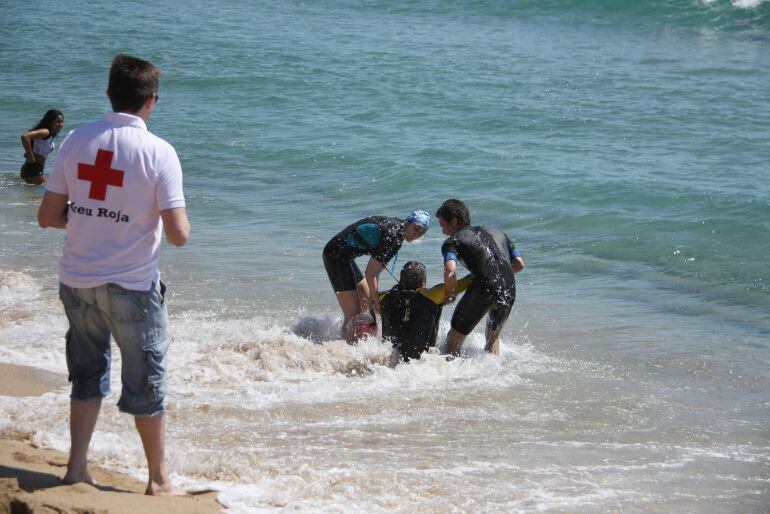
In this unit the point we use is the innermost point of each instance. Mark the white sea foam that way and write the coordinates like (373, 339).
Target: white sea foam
(740, 4)
(32, 324)
(747, 4)
(276, 421)
(16, 288)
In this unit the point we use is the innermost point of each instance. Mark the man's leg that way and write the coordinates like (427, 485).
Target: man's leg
(139, 320)
(493, 341)
(454, 342)
(498, 315)
(349, 303)
(349, 286)
(83, 416)
(152, 430)
(88, 365)
(469, 311)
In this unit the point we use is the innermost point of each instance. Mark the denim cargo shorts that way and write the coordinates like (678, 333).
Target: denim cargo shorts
(137, 320)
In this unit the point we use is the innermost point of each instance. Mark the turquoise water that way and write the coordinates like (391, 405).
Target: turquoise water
(623, 145)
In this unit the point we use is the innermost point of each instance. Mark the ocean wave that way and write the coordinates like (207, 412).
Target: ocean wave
(256, 359)
(718, 14)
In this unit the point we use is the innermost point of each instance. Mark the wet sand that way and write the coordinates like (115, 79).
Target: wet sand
(30, 478)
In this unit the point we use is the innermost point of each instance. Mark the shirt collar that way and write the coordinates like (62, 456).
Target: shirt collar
(122, 118)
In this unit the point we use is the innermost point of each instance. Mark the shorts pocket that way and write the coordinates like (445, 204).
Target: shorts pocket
(155, 360)
(127, 305)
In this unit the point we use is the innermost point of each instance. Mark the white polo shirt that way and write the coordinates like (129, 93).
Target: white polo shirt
(118, 177)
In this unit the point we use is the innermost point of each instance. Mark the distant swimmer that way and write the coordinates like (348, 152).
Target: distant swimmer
(38, 143)
(491, 257)
(379, 237)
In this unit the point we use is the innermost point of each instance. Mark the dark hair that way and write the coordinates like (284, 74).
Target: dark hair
(133, 81)
(413, 275)
(454, 208)
(47, 120)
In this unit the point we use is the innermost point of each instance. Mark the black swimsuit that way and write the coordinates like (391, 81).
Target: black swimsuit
(41, 147)
(32, 169)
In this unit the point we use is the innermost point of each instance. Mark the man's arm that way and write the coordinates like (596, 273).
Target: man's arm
(176, 225)
(450, 281)
(517, 263)
(53, 211)
(372, 276)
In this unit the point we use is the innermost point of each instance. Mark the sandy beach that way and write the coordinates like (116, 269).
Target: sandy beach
(30, 477)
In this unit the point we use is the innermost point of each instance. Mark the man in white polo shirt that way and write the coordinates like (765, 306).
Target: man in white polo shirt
(116, 188)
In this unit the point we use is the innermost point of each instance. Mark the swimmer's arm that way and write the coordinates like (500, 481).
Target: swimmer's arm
(372, 276)
(517, 262)
(26, 141)
(53, 211)
(176, 226)
(450, 280)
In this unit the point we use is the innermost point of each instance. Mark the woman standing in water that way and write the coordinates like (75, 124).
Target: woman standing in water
(38, 143)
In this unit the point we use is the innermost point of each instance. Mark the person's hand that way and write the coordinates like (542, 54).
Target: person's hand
(31, 159)
(450, 298)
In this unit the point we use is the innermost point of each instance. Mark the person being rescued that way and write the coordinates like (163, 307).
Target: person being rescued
(409, 317)
(410, 313)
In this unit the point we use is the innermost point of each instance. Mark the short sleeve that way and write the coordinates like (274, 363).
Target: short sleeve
(512, 251)
(449, 250)
(168, 188)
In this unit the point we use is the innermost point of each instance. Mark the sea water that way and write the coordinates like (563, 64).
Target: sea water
(624, 146)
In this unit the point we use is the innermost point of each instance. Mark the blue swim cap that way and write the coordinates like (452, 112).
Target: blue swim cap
(421, 218)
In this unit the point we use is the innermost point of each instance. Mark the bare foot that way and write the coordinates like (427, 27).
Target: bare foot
(73, 477)
(167, 490)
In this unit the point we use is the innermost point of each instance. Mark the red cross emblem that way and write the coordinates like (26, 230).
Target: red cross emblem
(100, 175)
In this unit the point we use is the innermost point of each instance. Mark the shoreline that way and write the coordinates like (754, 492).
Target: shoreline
(30, 477)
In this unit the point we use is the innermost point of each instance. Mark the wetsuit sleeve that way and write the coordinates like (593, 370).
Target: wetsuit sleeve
(449, 250)
(512, 250)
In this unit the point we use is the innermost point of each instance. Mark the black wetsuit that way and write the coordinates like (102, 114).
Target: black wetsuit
(409, 321)
(377, 236)
(488, 254)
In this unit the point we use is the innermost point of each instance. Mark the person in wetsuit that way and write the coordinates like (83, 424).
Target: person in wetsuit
(491, 257)
(409, 318)
(379, 237)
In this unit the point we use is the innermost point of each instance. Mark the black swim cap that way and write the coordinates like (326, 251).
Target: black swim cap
(413, 275)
